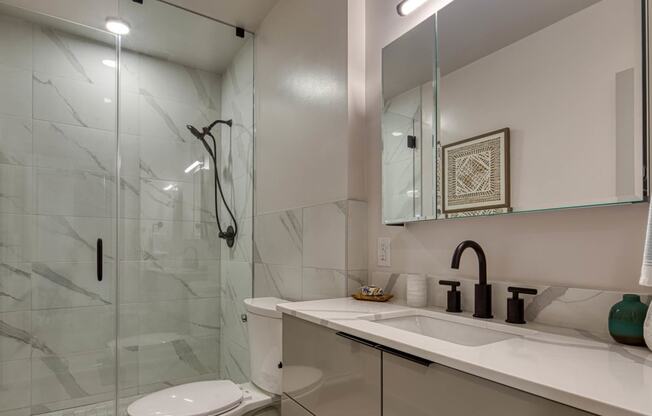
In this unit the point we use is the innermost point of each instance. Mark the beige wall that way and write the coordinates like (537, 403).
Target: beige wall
(594, 247)
(301, 105)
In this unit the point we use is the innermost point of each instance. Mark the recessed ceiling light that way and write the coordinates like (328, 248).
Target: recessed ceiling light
(397, 133)
(117, 26)
(408, 6)
(110, 63)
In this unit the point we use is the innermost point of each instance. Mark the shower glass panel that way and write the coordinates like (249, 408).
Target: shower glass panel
(94, 149)
(181, 286)
(58, 138)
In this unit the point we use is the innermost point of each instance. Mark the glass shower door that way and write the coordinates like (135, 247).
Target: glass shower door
(58, 142)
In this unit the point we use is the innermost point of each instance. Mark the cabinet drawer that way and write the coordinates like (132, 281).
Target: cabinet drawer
(417, 390)
(290, 408)
(329, 374)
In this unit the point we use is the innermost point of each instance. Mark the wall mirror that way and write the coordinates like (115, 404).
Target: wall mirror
(538, 105)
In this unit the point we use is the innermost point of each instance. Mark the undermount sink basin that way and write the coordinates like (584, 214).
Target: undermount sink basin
(454, 332)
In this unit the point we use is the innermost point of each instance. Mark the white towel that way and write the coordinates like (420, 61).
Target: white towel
(646, 270)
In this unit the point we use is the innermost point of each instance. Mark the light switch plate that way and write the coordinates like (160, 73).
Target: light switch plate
(384, 251)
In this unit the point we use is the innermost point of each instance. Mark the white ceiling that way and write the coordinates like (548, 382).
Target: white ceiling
(244, 13)
(166, 31)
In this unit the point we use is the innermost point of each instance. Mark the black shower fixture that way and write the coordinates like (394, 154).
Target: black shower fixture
(231, 231)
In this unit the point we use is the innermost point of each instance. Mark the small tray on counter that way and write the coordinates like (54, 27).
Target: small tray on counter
(381, 298)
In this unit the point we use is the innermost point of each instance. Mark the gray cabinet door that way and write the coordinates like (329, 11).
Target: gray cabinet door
(290, 408)
(417, 390)
(329, 374)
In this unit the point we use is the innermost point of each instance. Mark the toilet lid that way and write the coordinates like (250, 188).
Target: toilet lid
(203, 398)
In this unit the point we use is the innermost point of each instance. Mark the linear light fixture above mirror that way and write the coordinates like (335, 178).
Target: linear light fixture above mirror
(408, 6)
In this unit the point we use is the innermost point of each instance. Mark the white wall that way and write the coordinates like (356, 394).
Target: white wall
(597, 248)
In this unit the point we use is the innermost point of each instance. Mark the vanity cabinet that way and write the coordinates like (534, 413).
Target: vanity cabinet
(329, 374)
(415, 389)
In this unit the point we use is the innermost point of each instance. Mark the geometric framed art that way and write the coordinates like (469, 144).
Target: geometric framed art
(475, 173)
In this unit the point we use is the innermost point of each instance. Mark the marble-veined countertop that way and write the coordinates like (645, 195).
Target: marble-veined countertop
(567, 366)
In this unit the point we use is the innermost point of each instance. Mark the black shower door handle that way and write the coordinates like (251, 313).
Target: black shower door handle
(99, 259)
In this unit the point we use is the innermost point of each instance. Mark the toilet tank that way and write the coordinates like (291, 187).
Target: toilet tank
(265, 342)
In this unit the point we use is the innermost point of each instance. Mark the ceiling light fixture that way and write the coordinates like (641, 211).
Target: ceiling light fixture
(397, 134)
(110, 63)
(408, 6)
(117, 26)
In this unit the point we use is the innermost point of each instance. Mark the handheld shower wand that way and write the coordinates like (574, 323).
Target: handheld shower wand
(231, 231)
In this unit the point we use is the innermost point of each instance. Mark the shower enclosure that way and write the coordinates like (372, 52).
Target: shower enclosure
(113, 280)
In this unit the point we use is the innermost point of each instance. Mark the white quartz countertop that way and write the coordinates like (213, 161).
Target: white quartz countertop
(565, 366)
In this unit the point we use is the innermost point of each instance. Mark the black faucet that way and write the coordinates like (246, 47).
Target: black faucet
(482, 289)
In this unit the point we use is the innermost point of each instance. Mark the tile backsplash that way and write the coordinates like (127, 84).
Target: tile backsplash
(583, 310)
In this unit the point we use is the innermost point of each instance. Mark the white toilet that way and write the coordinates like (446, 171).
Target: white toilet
(224, 397)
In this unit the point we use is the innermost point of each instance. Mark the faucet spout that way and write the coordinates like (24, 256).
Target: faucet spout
(482, 289)
(482, 259)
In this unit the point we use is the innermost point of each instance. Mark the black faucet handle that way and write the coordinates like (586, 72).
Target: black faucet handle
(518, 290)
(452, 283)
(516, 305)
(454, 297)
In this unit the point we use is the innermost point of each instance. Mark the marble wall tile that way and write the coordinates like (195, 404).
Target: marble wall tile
(169, 80)
(355, 280)
(25, 411)
(64, 146)
(15, 42)
(242, 249)
(324, 284)
(278, 238)
(75, 102)
(16, 190)
(236, 286)
(16, 238)
(167, 119)
(277, 281)
(181, 318)
(129, 114)
(15, 338)
(72, 380)
(15, 92)
(61, 54)
(171, 280)
(76, 193)
(183, 360)
(15, 141)
(65, 238)
(324, 236)
(234, 362)
(356, 258)
(14, 384)
(169, 240)
(74, 330)
(168, 159)
(15, 286)
(71, 284)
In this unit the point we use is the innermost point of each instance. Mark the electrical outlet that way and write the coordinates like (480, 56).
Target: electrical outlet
(384, 251)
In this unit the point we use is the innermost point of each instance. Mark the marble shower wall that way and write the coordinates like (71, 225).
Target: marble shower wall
(170, 263)
(310, 253)
(58, 195)
(236, 172)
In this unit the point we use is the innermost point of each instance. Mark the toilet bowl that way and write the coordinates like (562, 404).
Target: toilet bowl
(224, 397)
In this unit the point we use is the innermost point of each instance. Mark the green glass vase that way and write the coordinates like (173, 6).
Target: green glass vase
(626, 320)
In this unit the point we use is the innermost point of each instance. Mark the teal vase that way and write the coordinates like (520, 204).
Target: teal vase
(626, 320)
